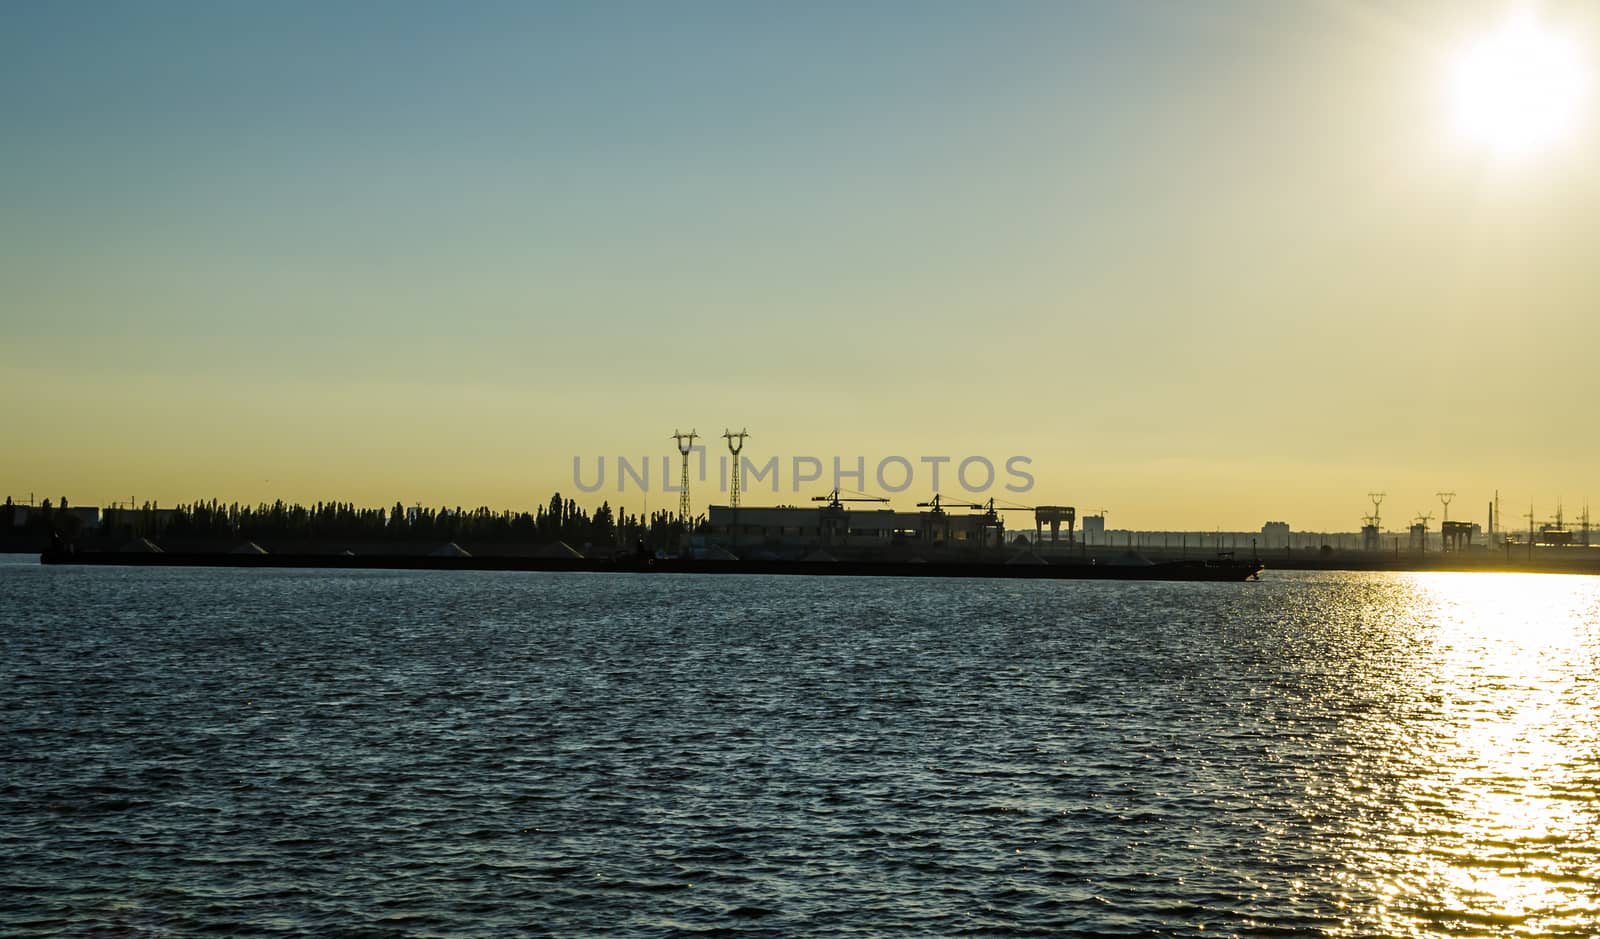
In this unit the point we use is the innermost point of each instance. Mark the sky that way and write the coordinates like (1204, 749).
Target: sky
(1203, 265)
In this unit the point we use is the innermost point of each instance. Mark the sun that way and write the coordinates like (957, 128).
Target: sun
(1519, 89)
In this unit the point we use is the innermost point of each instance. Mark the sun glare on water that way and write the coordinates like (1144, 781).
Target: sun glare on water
(1504, 781)
(1519, 89)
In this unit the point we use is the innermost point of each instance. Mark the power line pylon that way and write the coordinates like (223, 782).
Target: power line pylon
(685, 447)
(1419, 531)
(735, 444)
(1377, 517)
(1445, 497)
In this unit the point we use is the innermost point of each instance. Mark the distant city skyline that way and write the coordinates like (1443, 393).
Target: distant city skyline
(1206, 265)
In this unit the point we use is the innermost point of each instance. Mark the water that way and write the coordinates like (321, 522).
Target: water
(388, 753)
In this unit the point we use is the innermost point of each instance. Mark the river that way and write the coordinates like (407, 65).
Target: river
(266, 752)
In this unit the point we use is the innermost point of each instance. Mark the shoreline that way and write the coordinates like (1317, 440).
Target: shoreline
(1102, 568)
(1216, 570)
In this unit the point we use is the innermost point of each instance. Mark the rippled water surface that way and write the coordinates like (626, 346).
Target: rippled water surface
(289, 752)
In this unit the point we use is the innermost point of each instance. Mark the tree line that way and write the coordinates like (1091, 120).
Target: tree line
(559, 520)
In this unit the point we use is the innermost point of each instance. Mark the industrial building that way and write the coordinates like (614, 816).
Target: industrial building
(837, 525)
(795, 525)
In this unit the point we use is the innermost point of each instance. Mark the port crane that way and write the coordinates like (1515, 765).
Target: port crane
(940, 516)
(938, 503)
(836, 498)
(988, 515)
(833, 517)
(992, 514)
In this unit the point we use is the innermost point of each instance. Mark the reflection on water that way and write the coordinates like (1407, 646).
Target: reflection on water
(301, 752)
(1492, 823)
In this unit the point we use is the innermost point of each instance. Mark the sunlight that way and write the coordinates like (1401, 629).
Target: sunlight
(1511, 654)
(1526, 611)
(1520, 89)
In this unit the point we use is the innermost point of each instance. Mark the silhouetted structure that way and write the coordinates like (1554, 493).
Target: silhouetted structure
(1372, 525)
(1457, 535)
(735, 447)
(1054, 516)
(1419, 532)
(685, 447)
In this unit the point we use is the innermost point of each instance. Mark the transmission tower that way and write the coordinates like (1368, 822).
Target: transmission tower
(1445, 497)
(735, 444)
(1419, 531)
(1377, 517)
(685, 447)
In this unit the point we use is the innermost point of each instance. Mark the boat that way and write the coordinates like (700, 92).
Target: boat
(1222, 568)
